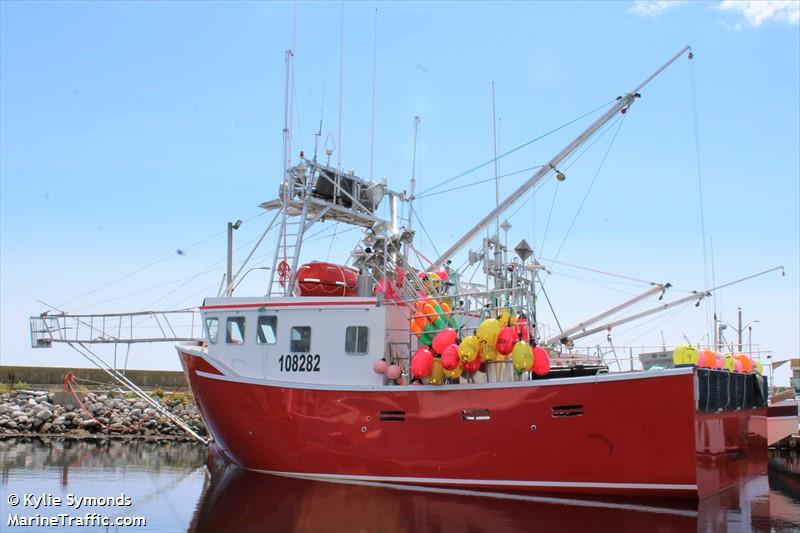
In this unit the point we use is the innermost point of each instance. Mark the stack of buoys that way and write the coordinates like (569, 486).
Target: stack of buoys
(706, 358)
(431, 317)
(496, 339)
(432, 281)
(507, 337)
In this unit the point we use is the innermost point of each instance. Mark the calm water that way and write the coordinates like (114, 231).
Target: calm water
(169, 485)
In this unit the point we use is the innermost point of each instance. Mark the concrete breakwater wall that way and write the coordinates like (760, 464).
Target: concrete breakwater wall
(53, 376)
(95, 414)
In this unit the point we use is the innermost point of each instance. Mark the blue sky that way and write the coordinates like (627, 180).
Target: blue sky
(130, 130)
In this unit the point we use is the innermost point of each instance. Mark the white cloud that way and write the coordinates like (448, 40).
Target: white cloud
(653, 8)
(756, 12)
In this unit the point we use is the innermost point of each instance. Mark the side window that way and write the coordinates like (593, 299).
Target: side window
(300, 340)
(265, 332)
(234, 330)
(212, 329)
(356, 339)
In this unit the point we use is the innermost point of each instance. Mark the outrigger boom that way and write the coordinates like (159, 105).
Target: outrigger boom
(621, 105)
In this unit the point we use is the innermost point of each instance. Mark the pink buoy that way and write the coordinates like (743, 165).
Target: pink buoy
(443, 275)
(422, 363)
(450, 357)
(443, 339)
(380, 366)
(393, 372)
(737, 366)
(719, 360)
(541, 361)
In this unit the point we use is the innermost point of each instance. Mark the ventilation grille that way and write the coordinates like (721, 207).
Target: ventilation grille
(475, 414)
(567, 410)
(393, 416)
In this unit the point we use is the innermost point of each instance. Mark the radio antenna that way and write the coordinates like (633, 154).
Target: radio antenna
(374, 75)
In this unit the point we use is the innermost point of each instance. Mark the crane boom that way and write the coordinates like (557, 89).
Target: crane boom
(583, 326)
(622, 102)
(637, 316)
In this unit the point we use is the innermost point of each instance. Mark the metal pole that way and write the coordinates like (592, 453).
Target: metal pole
(496, 179)
(662, 307)
(413, 186)
(740, 328)
(230, 260)
(750, 341)
(586, 323)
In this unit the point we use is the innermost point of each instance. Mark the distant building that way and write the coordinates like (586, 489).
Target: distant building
(794, 381)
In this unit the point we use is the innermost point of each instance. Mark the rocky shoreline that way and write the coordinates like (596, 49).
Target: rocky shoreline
(106, 414)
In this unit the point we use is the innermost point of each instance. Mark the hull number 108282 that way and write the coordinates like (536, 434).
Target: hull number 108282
(299, 362)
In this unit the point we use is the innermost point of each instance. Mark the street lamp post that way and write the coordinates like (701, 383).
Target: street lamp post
(231, 226)
(750, 337)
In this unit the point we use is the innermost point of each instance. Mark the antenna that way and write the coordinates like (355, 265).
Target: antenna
(496, 179)
(374, 74)
(413, 183)
(714, 283)
(341, 96)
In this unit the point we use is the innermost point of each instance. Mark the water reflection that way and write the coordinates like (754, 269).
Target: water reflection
(172, 487)
(239, 500)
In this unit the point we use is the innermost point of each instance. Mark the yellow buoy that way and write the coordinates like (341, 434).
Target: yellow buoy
(685, 355)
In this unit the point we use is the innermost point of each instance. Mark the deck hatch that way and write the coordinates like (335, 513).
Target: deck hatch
(393, 416)
(567, 410)
(475, 414)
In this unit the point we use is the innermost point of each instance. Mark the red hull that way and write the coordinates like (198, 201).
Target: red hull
(616, 435)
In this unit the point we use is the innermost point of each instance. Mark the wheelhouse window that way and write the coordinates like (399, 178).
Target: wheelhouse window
(212, 329)
(300, 339)
(234, 330)
(265, 331)
(356, 339)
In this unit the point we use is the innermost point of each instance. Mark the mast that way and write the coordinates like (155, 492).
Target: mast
(621, 105)
(412, 186)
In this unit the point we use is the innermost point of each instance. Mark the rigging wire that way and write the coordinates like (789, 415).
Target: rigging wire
(571, 160)
(568, 165)
(696, 132)
(330, 244)
(521, 146)
(597, 271)
(549, 216)
(154, 263)
(421, 225)
(593, 282)
(591, 185)
(675, 312)
(485, 180)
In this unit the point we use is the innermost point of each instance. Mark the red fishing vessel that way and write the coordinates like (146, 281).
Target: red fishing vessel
(386, 371)
(403, 371)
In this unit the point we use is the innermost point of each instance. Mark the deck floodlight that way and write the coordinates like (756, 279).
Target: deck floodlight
(237, 224)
